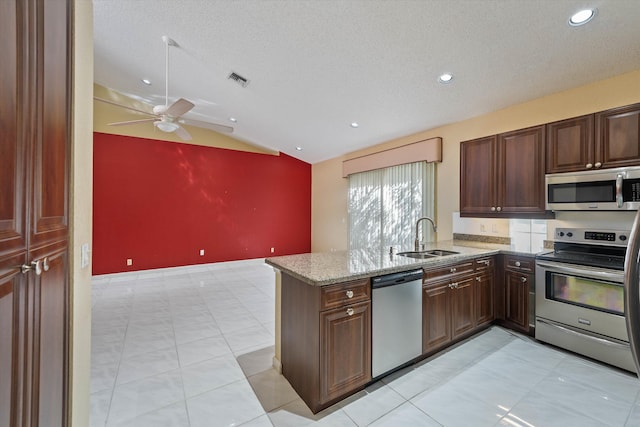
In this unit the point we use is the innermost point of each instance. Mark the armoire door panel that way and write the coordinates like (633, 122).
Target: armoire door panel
(12, 171)
(52, 343)
(51, 151)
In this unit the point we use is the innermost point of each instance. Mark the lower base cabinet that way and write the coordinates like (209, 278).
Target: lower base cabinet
(325, 339)
(345, 356)
(519, 279)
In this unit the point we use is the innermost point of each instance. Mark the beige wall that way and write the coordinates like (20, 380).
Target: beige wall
(81, 206)
(329, 189)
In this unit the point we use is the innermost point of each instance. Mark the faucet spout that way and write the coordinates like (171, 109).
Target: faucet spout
(417, 242)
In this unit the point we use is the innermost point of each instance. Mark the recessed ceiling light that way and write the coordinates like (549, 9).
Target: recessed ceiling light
(147, 82)
(233, 119)
(354, 125)
(582, 17)
(299, 148)
(445, 78)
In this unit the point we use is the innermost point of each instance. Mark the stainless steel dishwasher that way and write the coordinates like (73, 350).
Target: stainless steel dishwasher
(396, 306)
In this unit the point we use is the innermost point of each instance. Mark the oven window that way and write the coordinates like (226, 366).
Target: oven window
(594, 294)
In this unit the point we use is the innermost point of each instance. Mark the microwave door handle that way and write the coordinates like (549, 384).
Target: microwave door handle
(619, 198)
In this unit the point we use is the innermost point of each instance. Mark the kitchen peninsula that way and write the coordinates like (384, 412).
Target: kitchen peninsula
(324, 327)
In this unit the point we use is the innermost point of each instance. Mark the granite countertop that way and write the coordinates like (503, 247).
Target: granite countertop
(321, 269)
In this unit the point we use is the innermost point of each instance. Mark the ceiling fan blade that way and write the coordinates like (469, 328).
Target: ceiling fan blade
(131, 122)
(206, 125)
(183, 134)
(179, 107)
(107, 101)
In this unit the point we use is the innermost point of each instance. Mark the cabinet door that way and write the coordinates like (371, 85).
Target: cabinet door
(462, 306)
(517, 299)
(569, 144)
(50, 122)
(345, 349)
(12, 146)
(484, 297)
(618, 137)
(436, 316)
(477, 179)
(520, 174)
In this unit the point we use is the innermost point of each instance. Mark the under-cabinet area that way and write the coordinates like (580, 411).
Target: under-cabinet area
(327, 330)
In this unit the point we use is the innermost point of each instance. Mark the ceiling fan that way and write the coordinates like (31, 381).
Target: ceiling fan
(168, 118)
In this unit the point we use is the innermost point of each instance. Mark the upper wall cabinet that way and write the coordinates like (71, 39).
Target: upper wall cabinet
(503, 175)
(608, 139)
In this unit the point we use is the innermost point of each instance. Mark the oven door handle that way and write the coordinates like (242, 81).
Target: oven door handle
(562, 268)
(584, 335)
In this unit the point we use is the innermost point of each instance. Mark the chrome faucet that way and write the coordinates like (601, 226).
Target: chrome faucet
(417, 241)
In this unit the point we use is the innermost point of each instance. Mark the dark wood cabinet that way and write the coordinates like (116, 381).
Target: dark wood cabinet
(345, 350)
(454, 298)
(608, 139)
(34, 186)
(325, 339)
(618, 137)
(518, 280)
(462, 306)
(570, 145)
(494, 179)
(436, 316)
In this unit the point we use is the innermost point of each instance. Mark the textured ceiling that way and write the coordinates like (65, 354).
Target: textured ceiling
(315, 66)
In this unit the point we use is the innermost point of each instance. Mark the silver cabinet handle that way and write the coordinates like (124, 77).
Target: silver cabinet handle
(498, 208)
(589, 165)
(453, 269)
(349, 311)
(45, 264)
(477, 278)
(524, 279)
(349, 294)
(493, 208)
(517, 263)
(454, 285)
(598, 164)
(35, 266)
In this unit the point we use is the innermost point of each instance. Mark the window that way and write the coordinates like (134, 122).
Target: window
(384, 205)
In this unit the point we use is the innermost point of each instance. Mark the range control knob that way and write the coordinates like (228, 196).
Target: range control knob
(623, 237)
(561, 234)
(569, 234)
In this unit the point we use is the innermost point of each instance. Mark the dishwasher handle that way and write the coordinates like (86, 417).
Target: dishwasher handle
(396, 278)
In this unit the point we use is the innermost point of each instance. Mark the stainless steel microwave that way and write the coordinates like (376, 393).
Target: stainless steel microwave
(605, 189)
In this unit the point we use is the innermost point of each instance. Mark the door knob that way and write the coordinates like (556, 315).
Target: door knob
(45, 264)
(349, 311)
(36, 266)
(589, 165)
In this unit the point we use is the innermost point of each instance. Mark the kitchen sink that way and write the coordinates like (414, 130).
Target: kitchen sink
(433, 253)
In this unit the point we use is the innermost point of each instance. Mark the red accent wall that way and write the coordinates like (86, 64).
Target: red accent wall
(159, 203)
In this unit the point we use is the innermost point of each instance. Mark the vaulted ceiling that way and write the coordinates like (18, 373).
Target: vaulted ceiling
(316, 66)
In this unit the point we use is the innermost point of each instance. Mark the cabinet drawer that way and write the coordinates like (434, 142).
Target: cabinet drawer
(483, 264)
(345, 293)
(449, 271)
(519, 263)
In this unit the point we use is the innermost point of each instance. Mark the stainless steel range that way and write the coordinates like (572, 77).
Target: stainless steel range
(580, 295)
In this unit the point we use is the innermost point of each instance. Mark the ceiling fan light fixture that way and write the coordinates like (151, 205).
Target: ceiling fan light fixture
(165, 126)
(582, 17)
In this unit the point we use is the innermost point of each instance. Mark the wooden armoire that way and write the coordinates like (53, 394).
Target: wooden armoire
(35, 132)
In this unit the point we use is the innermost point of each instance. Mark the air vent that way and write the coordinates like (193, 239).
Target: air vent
(239, 79)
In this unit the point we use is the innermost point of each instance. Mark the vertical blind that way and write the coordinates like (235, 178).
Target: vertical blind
(384, 205)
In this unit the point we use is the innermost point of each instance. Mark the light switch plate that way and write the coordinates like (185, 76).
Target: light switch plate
(84, 256)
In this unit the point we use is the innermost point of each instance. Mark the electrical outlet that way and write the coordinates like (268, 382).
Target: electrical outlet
(129, 261)
(483, 228)
(201, 252)
(494, 228)
(84, 255)
(273, 250)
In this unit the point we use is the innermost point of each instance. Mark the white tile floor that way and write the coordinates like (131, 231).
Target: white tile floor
(193, 346)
